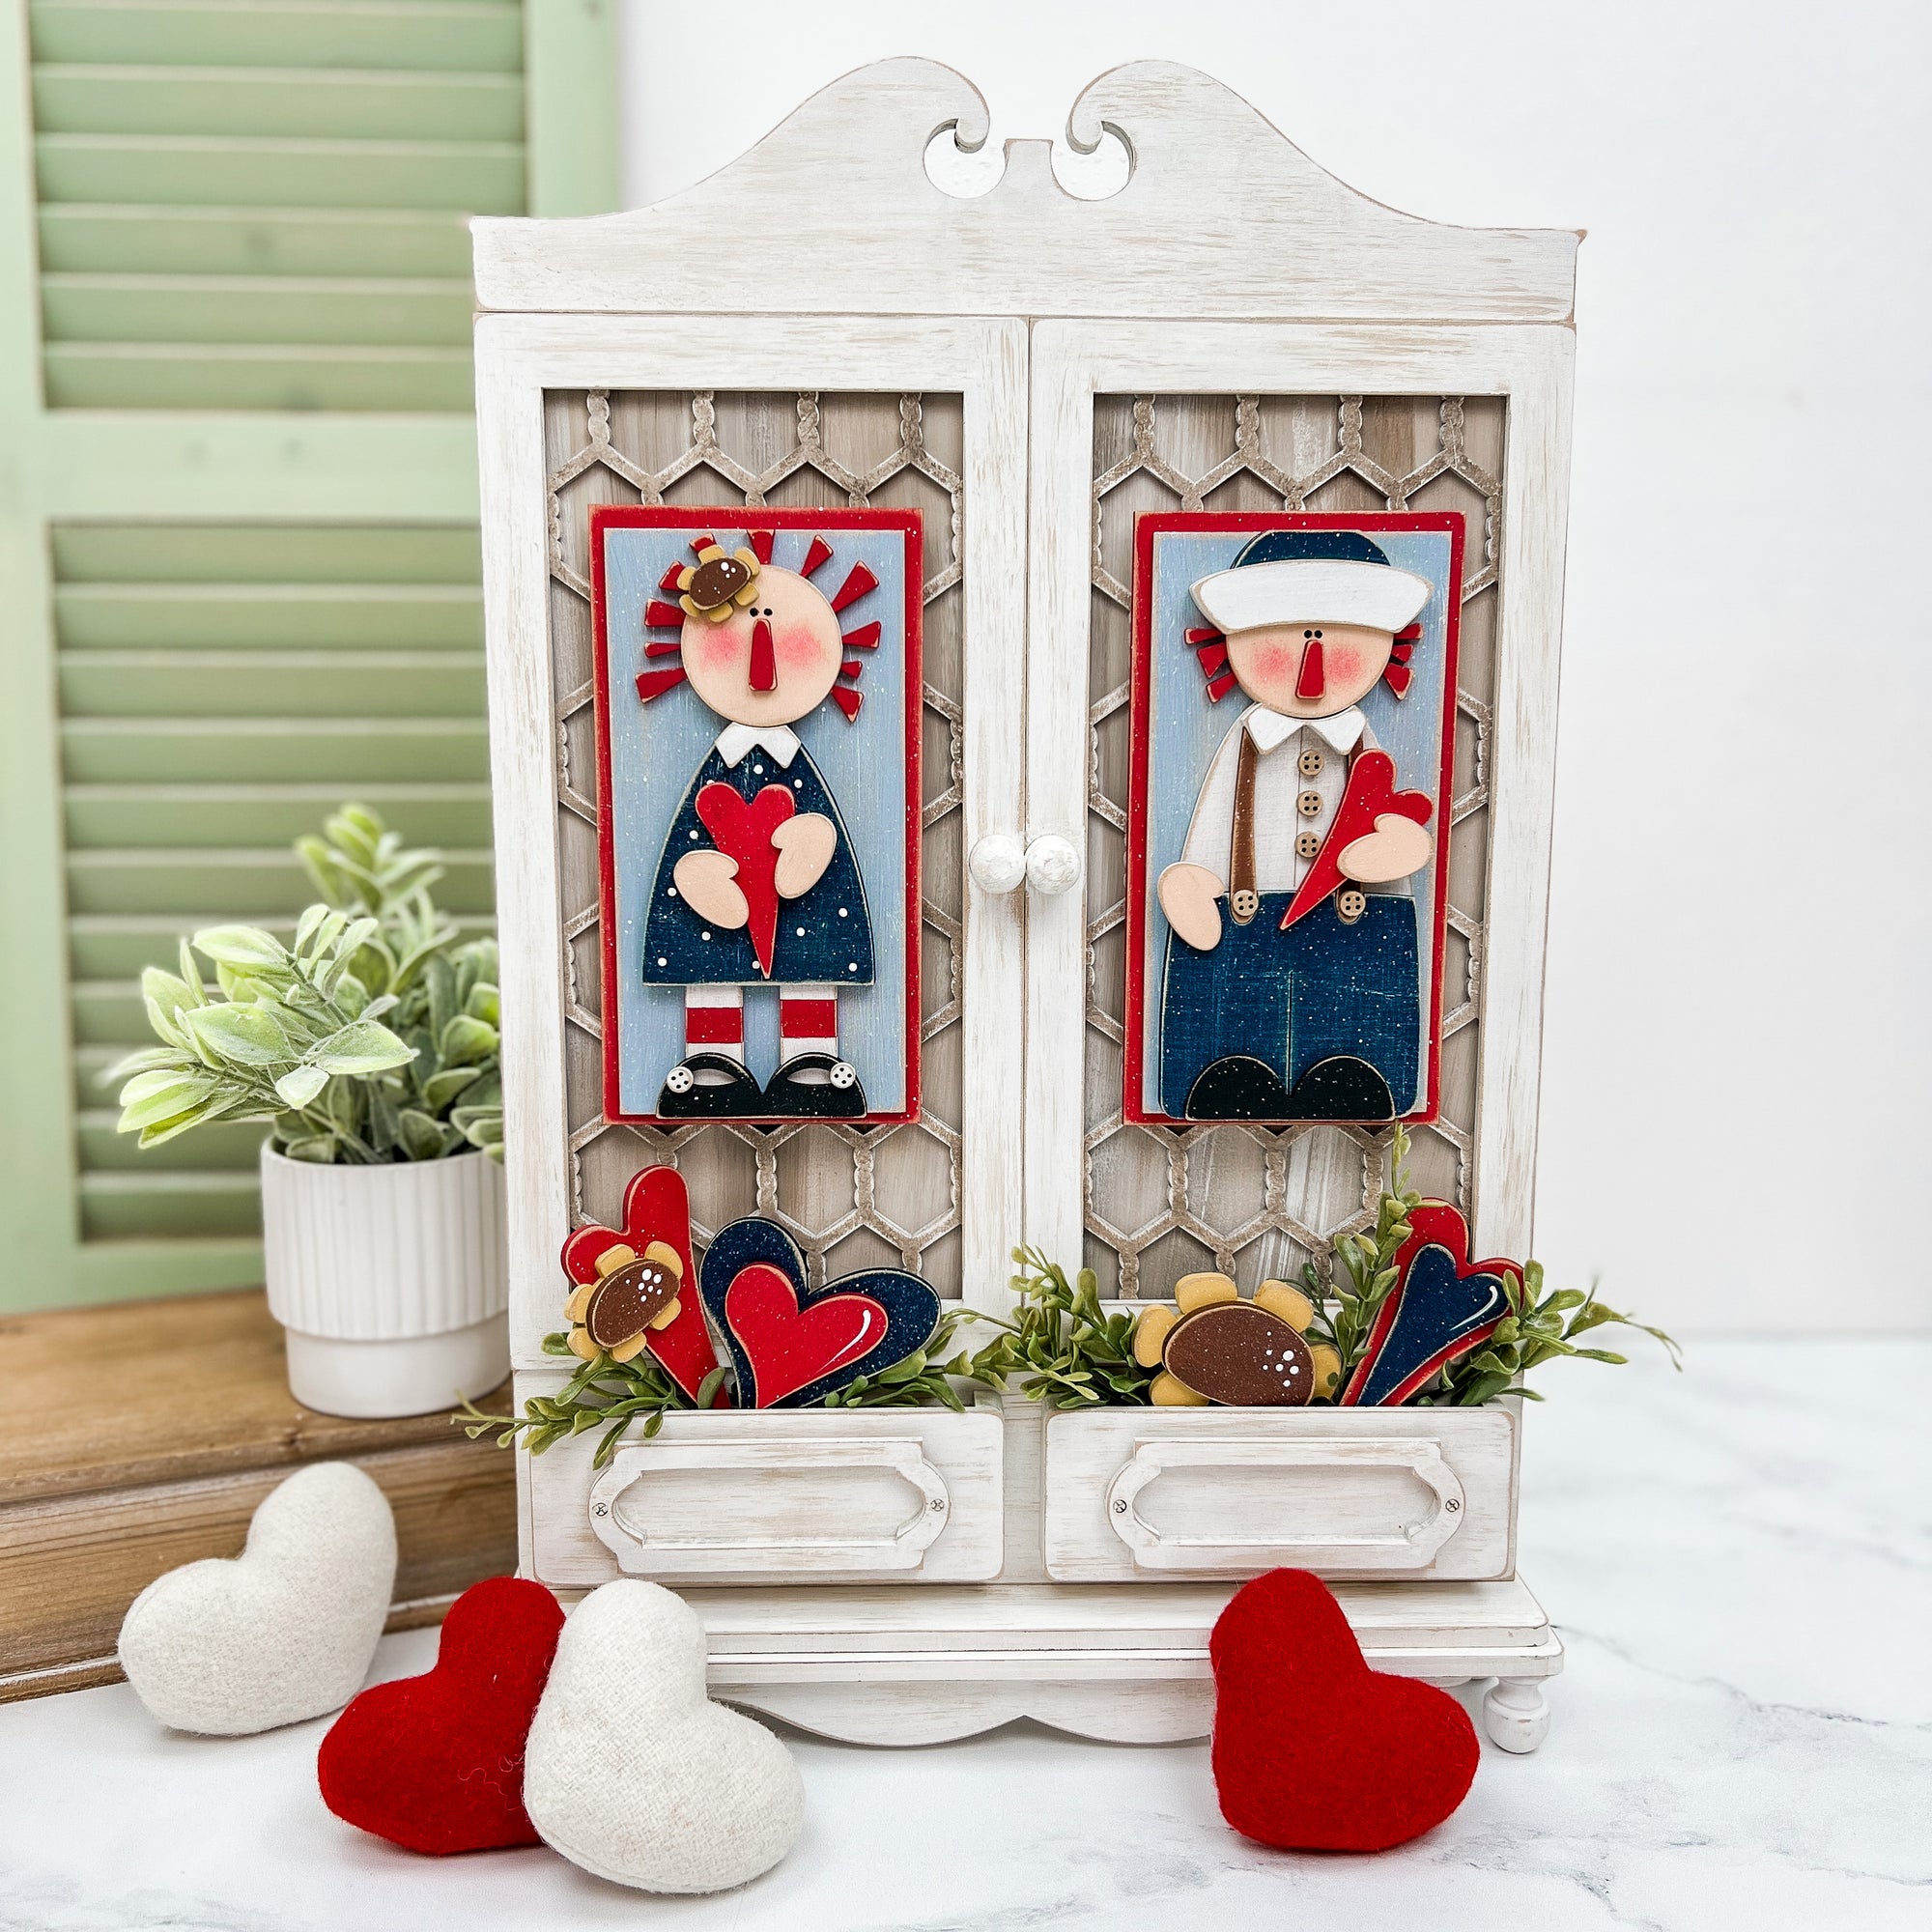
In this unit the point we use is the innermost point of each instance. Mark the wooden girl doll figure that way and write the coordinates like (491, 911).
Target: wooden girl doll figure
(1291, 992)
(758, 884)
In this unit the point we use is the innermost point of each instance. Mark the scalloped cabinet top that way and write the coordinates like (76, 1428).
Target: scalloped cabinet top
(834, 212)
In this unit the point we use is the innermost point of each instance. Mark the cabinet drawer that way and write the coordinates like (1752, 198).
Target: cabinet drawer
(773, 1496)
(1154, 1494)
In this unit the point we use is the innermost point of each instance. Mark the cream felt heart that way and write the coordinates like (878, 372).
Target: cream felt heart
(633, 1773)
(285, 1631)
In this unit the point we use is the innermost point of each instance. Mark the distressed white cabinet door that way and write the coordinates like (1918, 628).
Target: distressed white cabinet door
(1133, 415)
(558, 394)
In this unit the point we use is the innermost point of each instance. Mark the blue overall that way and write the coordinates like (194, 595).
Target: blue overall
(1290, 999)
(824, 936)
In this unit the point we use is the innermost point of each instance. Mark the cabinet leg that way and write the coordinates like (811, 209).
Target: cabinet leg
(1515, 1712)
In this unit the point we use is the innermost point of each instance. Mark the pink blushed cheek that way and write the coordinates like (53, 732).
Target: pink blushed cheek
(800, 648)
(1345, 664)
(1273, 664)
(718, 649)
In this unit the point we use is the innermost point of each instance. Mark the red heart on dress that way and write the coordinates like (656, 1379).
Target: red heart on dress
(1313, 1750)
(741, 827)
(793, 1346)
(436, 1763)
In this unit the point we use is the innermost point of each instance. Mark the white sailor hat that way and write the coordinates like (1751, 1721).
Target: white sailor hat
(1311, 577)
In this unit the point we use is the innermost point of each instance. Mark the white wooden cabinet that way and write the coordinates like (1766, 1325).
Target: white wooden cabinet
(820, 324)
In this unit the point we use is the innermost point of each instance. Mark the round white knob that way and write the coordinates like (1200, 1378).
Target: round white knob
(998, 862)
(1052, 864)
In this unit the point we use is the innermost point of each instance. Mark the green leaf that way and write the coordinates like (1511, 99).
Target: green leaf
(150, 1098)
(301, 1085)
(463, 1041)
(441, 1089)
(317, 1147)
(243, 945)
(366, 1046)
(420, 1137)
(245, 1036)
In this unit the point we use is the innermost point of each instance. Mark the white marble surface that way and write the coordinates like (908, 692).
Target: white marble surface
(1741, 1563)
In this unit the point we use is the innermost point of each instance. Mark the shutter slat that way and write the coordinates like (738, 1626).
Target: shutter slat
(348, 750)
(116, 1205)
(278, 557)
(449, 815)
(249, 375)
(477, 177)
(255, 308)
(203, 884)
(254, 684)
(484, 36)
(137, 239)
(267, 617)
(345, 105)
(225, 1146)
(117, 945)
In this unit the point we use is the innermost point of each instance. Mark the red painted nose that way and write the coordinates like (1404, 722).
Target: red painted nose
(1310, 684)
(764, 665)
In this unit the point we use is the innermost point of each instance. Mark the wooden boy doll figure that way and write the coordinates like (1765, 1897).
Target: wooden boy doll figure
(758, 884)
(1291, 993)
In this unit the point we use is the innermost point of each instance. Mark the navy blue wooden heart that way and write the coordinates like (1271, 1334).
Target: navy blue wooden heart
(1439, 1314)
(789, 1347)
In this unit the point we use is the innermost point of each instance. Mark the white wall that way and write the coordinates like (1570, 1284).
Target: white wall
(1737, 1044)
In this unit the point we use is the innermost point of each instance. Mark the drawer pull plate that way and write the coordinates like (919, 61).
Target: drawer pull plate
(733, 1550)
(1401, 1547)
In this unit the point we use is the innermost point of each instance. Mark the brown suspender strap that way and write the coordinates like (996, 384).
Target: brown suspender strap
(1243, 901)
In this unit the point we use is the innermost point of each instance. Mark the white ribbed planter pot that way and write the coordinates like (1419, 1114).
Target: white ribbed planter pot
(392, 1282)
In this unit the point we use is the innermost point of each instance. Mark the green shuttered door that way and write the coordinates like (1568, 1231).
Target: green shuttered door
(248, 527)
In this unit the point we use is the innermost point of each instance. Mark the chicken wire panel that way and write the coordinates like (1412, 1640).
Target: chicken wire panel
(852, 1196)
(1256, 1202)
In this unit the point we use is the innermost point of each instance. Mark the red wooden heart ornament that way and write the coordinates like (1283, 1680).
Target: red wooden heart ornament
(742, 829)
(793, 1346)
(436, 1763)
(1313, 1750)
(657, 1208)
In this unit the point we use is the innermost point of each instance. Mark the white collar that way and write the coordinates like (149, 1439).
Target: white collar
(781, 741)
(1269, 728)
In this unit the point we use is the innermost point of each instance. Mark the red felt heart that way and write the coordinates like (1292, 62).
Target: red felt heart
(1313, 1750)
(793, 1346)
(741, 827)
(436, 1763)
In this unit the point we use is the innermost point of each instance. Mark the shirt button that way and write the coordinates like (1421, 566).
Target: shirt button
(1309, 803)
(1307, 844)
(1309, 764)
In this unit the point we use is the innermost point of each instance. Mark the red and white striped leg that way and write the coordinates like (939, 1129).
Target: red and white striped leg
(808, 1021)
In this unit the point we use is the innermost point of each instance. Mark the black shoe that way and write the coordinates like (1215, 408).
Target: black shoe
(687, 1098)
(836, 1096)
(1238, 1088)
(1341, 1088)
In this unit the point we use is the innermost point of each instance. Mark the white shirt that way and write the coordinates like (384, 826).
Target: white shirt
(780, 742)
(1279, 783)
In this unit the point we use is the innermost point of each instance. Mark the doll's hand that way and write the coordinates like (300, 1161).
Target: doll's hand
(1397, 847)
(1187, 895)
(805, 846)
(708, 882)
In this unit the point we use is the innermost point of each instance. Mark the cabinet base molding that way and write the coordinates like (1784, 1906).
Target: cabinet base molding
(1123, 1665)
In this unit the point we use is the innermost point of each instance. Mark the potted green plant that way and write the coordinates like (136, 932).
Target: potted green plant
(368, 1045)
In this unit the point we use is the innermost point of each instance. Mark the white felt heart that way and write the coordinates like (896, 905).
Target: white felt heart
(633, 1773)
(281, 1632)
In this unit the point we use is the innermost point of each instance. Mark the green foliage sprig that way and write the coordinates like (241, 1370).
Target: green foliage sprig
(1347, 1304)
(615, 1395)
(1064, 1347)
(1539, 1328)
(372, 1037)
